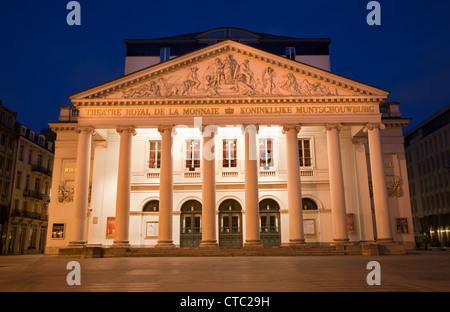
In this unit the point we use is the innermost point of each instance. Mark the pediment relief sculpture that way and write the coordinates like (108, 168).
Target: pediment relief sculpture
(226, 76)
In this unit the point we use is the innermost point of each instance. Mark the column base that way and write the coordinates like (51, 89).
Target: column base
(297, 242)
(385, 240)
(209, 244)
(123, 244)
(77, 244)
(253, 244)
(164, 244)
(341, 241)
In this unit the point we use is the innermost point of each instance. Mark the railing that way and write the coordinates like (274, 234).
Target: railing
(152, 175)
(29, 214)
(41, 170)
(230, 174)
(192, 175)
(33, 194)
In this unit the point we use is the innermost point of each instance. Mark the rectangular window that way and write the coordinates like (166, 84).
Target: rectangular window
(21, 152)
(27, 182)
(164, 54)
(290, 53)
(266, 154)
(304, 153)
(19, 179)
(192, 154)
(229, 154)
(37, 185)
(155, 155)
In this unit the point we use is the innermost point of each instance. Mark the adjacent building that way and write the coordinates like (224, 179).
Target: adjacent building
(428, 158)
(229, 138)
(26, 168)
(8, 152)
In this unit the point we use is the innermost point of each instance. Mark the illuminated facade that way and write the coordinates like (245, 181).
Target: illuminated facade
(229, 138)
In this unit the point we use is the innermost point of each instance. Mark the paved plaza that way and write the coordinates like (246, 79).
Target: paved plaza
(418, 271)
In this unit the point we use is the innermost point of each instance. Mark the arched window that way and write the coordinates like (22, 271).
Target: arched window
(152, 205)
(309, 204)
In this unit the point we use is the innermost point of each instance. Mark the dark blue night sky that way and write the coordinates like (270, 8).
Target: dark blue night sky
(43, 60)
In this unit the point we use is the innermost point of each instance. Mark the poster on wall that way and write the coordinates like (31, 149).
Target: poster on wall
(110, 227)
(152, 229)
(401, 225)
(308, 227)
(58, 230)
(350, 223)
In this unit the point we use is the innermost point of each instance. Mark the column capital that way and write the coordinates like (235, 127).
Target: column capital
(171, 128)
(329, 127)
(250, 127)
(288, 127)
(359, 140)
(370, 126)
(87, 129)
(130, 129)
(209, 129)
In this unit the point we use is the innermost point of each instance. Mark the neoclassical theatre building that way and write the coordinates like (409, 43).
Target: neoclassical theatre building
(229, 138)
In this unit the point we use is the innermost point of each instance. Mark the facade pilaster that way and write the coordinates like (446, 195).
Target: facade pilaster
(166, 189)
(81, 189)
(336, 183)
(379, 187)
(121, 234)
(208, 188)
(296, 233)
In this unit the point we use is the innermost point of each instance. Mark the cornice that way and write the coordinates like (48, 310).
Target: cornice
(232, 100)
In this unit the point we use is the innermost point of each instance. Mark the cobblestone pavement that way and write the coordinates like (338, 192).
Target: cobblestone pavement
(418, 271)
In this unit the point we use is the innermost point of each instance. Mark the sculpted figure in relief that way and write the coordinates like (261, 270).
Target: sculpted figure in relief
(243, 87)
(267, 80)
(210, 85)
(290, 84)
(229, 67)
(219, 75)
(245, 70)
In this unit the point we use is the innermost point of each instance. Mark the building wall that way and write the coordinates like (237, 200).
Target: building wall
(145, 188)
(29, 204)
(428, 159)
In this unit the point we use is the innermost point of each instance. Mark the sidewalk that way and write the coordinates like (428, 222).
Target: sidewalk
(418, 271)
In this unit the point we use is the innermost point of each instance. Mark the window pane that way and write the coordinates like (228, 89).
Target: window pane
(265, 154)
(229, 153)
(192, 154)
(155, 154)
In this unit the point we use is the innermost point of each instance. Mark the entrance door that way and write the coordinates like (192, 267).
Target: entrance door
(230, 224)
(191, 224)
(269, 212)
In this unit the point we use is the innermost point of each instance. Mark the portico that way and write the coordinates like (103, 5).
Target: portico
(295, 135)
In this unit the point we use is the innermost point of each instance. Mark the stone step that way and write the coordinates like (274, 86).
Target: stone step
(306, 250)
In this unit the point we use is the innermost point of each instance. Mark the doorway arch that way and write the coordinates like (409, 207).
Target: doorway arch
(230, 224)
(191, 224)
(270, 224)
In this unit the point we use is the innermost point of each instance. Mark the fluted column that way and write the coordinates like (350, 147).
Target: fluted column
(208, 188)
(380, 195)
(81, 190)
(166, 189)
(251, 188)
(336, 183)
(121, 234)
(296, 233)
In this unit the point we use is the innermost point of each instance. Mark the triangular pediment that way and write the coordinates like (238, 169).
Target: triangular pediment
(228, 70)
